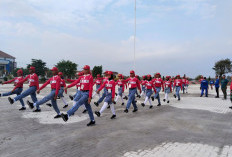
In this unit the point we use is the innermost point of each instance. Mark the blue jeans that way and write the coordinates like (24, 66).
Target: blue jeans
(17, 91)
(183, 87)
(167, 90)
(206, 91)
(178, 88)
(78, 96)
(149, 93)
(97, 86)
(143, 88)
(103, 96)
(108, 98)
(47, 98)
(131, 99)
(61, 92)
(81, 101)
(120, 91)
(76, 93)
(158, 89)
(30, 91)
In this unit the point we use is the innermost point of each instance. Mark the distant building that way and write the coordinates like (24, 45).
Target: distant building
(7, 63)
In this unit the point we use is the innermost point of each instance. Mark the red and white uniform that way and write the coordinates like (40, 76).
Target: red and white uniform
(54, 82)
(32, 79)
(78, 85)
(168, 84)
(98, 81)
(109, 84)
(63, 84)
(86, 83)
(158, 82)
(121, 83)
(178, 82)
(150, 85)
(187, 82)
(133, 82)
(16, 81)
(143, 83)
(184, 81)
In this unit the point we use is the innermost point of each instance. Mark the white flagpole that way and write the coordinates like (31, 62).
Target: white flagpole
(135, 35)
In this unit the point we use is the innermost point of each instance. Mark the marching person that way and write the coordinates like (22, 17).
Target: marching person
(86, 95)
(183, 84)
(158, 82)
(121, 85)
(149, 85)
(167, 88)
(77, 85)
(133, 83)
(104, 93)
(98, 82)
(61, 91)
(187, 84)
(204, 87)
(224, 83)
(137, 95)
(143, 84)
(33, 80)
(109, 100)
(178, 86)
(17, 89)
(55, 87)
(217, 85)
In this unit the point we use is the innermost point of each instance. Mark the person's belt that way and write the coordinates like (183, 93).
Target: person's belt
(85, 90)
(133, 88)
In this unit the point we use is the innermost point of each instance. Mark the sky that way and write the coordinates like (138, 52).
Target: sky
(172, 37)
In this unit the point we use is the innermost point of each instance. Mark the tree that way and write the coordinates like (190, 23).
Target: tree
(40, 67)
(198, 77)
(68, 68)
(97, 70)
(223, 67)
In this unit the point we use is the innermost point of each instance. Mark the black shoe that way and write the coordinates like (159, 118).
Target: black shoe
(126, 110)
(159, 104)
(98, 113)
(10, 100)
(65, 106)
(135, 101)
(216, 96)
(125, 98)
(139, 96)
(168, 101)
(201, 96)
(113, 116)
(0, 94)
(122, 103)
(49, 105)
(206, 96)
(64, 117)
(57, 116)
(151, 107)
(23, 108)
(164, 100)
(96, 103)
(174, 95)
(58, 97)
(230, 107)
(108, 107)
(143, 104)
(179, 99)
(37, 110)
(135, 110)
(152, 98)
(31, 106)
(116, 94)
(71, 97)
(91, 123)
(84, 111)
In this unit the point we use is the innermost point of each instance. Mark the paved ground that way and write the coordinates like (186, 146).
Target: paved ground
(193, 127)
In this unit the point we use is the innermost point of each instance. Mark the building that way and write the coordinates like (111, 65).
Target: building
(7, 64)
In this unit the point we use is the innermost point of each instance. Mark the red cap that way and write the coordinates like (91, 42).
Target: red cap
(80, 74)
(60, 73)
(178, 76)
(109, 72)
(132, 72)
(144, 77)
(119, 75)
(148, 76)
(168, 76)
(20, 71)
(32, 68)
(86, 67)
(157, 73)
(54, 69)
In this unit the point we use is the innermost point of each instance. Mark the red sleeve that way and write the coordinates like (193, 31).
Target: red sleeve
(113, 90)
(23, 80)
(45, 84)
(70, 80)
(74, 83)
(138, 85)
(65, 86)
(102, 86)
(37, 80)
(9, 81)
(90, 86)
(162, 84)
(58, 85)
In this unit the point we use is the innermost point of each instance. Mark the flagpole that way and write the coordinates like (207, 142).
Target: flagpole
(135, 35)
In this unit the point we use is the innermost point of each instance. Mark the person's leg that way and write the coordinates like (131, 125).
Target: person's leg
(133, 99)
(202, 91)
(50, 96)
(102, 98)
(178, 92)
(217, 91)
(157, 92)
(112, 109)
(206, 92)
(25, 93)
(129, 100)
(80, 102)
(33, 96)
(54, 105)
(105, 105)
(19, 91)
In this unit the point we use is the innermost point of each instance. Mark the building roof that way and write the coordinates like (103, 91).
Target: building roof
(5, 55)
